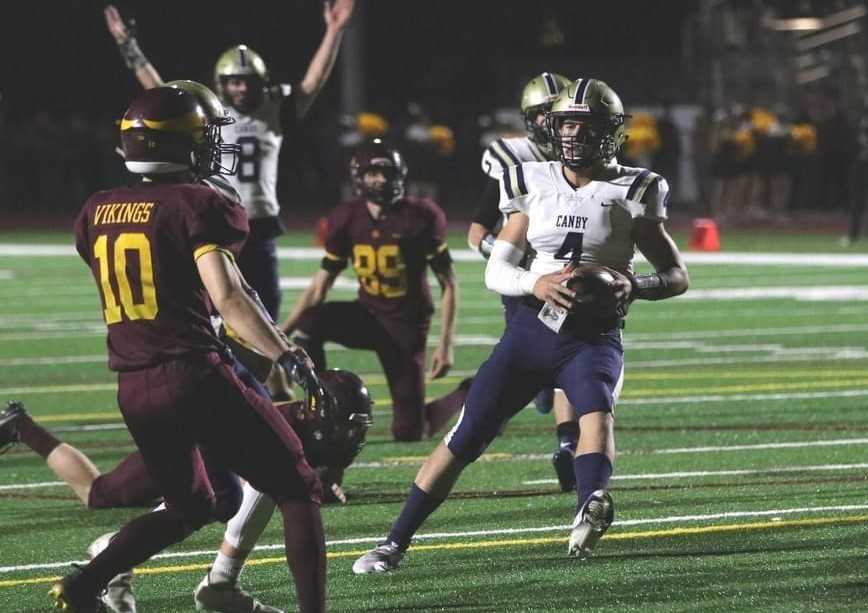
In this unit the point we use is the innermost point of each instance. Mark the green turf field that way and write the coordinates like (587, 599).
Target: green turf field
(741, 485)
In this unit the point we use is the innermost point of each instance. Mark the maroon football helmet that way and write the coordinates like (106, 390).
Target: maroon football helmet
(376, 155)
(167, 130)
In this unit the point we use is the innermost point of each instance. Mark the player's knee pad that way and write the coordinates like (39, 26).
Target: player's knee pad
(245, 528)
(227, 500)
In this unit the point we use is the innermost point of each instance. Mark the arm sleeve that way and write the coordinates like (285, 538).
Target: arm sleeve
(487, 212)
(503, 274)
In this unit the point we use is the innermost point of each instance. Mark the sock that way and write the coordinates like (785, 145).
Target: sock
(568, 434)
(129, 484)
(593, 471)
(36, 437)
(136, 542)
(225, 569)
(416, 510)
(305, 552)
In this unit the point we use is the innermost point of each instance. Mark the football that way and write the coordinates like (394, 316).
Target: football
(595, 287)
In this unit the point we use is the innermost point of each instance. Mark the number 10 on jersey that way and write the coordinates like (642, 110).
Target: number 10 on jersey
(112, 260)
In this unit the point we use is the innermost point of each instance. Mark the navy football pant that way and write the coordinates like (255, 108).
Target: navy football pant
(529, 356)
(399, 346)
(258, 263)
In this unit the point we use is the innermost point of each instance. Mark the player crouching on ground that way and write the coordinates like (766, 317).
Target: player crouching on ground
(581, 210)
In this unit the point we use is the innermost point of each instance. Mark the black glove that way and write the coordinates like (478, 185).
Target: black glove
(300, 369)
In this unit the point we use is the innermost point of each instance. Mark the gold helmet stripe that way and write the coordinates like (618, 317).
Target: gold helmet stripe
(187, 123)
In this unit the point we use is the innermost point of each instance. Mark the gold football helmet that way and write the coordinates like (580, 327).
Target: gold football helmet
(586, 124)
(238, 61)
(536, 98)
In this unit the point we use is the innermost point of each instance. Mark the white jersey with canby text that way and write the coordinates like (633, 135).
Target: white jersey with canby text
(592, 223)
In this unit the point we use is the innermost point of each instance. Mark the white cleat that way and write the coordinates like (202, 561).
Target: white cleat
(118, 596)
(381, 559)
(227, 598)
(591, 523)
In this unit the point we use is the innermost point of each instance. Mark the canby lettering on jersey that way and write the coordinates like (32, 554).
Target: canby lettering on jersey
(122, 212)
(572, 221)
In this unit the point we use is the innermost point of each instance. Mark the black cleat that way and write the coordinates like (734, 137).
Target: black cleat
(70, 596)
(9, 435)
(563, 461)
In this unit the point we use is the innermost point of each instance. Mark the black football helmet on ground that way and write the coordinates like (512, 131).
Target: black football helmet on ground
(376, 155)
(334, 433)
(167, 130)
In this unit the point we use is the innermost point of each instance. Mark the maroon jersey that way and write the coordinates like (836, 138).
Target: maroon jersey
(141, 243)
(389, 254)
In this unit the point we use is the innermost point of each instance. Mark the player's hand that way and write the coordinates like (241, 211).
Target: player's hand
(116, 26)
(441, 362)
(549, 288)
(337, 13)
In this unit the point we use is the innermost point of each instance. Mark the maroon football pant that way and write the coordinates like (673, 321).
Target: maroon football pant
(400, 347)
(173, 409)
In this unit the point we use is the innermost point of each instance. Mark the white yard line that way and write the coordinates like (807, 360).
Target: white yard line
(720, 473)
(620, 523)
(466, 255)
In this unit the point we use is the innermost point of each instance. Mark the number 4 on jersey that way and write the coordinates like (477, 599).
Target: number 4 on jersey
(571, 248)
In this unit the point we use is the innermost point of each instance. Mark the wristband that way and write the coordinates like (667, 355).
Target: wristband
(132, 54)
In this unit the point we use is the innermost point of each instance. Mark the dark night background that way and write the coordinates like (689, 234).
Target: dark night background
(59, 56)
(63, 83)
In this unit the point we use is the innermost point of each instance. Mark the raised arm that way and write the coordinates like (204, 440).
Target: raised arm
(670, 278)
(336, 16)
(129, 49)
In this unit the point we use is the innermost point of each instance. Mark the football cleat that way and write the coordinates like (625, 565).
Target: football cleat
(563, 462)
(9, 435)
(381, 559)
(69, 596)
(227, 598)
(591, 523)
(118, 596)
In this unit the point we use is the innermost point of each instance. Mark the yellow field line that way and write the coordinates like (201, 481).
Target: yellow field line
(740, 389)
(617, 536)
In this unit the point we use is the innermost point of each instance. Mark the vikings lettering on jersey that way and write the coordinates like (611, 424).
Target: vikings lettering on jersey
(589, 224)
(260, 135)
(505, 152)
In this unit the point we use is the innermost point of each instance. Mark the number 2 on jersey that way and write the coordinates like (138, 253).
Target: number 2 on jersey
(571, 248)
(124, 243)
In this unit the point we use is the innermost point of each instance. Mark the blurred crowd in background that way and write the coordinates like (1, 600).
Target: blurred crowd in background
(763, 115)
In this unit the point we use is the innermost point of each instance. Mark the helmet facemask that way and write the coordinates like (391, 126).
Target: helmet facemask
(582, 140)
(213, 156)
(537, 133)
(378, 157)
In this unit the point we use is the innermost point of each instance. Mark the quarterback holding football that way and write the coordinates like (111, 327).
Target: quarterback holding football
(584, 209)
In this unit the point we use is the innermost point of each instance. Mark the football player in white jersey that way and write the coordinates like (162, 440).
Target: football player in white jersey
(579, 212)
(263, 114)
(501, 154)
